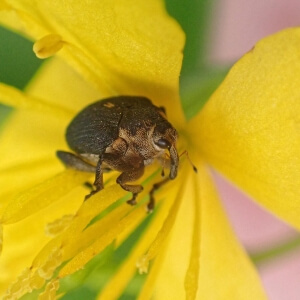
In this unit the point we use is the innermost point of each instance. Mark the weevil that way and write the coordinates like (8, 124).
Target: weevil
(126, 134)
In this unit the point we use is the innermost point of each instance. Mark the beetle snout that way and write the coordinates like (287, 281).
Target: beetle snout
(174, 162)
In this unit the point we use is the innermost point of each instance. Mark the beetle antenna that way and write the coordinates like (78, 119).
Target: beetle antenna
(187, 155)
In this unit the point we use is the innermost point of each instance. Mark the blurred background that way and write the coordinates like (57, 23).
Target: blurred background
(218, 34)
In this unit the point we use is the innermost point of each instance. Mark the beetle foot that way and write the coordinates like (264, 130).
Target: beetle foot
(150, 205)
(90, 194)
(132, 202)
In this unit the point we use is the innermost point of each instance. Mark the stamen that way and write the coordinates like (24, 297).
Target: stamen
(36, 281)
(1, 238)
(117, 284)
(93, 232)
(54, 260)
(20, 287)
(148, 287)
(42, 195)
(25, 283)
(48, 45)
(143, 263)
(50, 291)
(192, 274)
(58, 226)
(78, 261)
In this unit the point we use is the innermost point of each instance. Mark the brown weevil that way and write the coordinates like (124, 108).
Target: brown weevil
(124, 133)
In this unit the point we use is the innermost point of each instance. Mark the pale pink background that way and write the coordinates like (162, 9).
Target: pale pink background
(239, 24)
(236, 26)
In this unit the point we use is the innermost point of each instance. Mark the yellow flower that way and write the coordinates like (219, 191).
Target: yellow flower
(248, 131)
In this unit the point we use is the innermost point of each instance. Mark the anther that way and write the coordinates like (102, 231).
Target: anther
(48, 45)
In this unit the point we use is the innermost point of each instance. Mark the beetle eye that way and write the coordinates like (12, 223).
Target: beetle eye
(162, 143)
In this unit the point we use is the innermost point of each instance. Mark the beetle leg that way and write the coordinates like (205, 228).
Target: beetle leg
(98, 183)
(73, 161)
(128, 176)
(156, 186)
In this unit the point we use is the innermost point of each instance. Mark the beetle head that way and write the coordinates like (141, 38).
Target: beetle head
(164, 137)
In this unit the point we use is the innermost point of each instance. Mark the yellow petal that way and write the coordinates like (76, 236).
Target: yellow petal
(51, 100)
(30, 136)
(225, 270)
(19, 178)
(42, 195)
(117, 45)
(59, 85)
(9, 18)
(57, 90)
(13, 97)
(249, 129)
(4, 6)
(27, 152)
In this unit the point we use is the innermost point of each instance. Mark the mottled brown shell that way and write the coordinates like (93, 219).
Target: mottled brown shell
(97, 126)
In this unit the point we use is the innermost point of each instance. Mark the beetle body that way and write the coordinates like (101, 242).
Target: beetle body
(125, 134)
